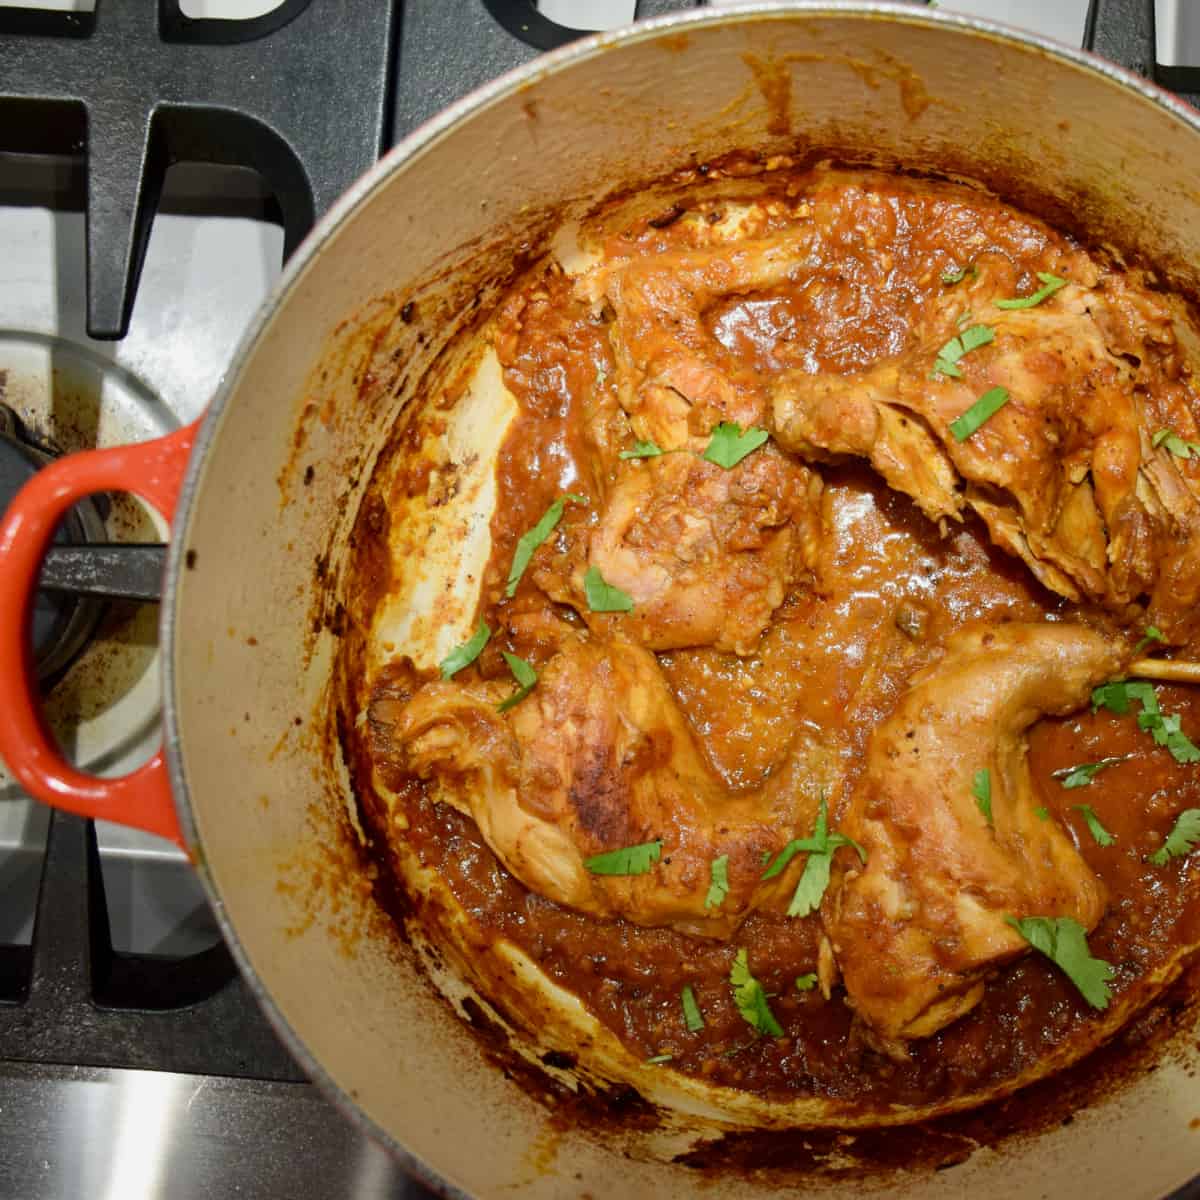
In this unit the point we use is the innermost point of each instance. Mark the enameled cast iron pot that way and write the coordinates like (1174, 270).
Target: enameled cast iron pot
(263, 493)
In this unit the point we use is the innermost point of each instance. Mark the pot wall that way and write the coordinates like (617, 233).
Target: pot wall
(245, 664)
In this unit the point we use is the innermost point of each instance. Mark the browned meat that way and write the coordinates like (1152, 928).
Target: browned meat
(706, 554)
(670, 384)
(917, 929)
(1065, 475)
(598, 757)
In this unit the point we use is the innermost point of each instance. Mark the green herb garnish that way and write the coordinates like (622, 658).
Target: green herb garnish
(1064, 941)
(1050, 285)
(986, 407)
(1082, 775)
(602, 597)
(953, 275)
(1181, 840)
(629, 860)
(970, 339)
(1166, 731)
(981, 789)
(718, 887)
(811, 888)
(1152, 634)
(820, 849)
(1102, 836)
(531, 540)
(806, 983)
(1175, 444)
(642, 450)
(660, 1058)
(1116, 696)
(1163, 728)
(525, 676)
(467, 653)
(693, 1018)
(1042, 814)
(750, 998)
(730, 444)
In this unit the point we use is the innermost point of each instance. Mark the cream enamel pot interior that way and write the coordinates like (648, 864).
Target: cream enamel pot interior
(409, 257)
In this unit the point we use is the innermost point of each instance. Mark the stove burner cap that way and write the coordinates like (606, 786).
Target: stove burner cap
(62, 623)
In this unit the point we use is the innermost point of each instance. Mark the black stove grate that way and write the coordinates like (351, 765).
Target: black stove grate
(301, 94)
(73, 999)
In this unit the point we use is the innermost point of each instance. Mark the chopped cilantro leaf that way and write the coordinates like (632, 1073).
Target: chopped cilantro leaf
(1097, 830)
(718, 887)
(811, 888)
(1166, 732)
(730, 444)
(1082, 775)
(641, 450)
(693, 1018)
(1175, 444)
(953, 275)
(806, 983)
(1050, 285)
(750, 998)
(629, 860)
(785, 856)
(602, 597)
(820, 848)
(532, 539)
(1165, 729)
(1064, 942)
(981, 789)
(1042, 814)
(970, 339)
(1152, 634)
(1180, 841)
(467, 653)
(986, 407)
(815, 877)
(525, 676)
(1112, 696)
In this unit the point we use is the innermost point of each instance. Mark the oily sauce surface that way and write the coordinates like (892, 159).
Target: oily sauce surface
(890, 586)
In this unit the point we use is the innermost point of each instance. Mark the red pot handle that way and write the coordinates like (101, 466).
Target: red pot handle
(154, 471)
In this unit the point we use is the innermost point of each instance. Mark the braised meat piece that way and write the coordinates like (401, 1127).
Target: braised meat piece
(671, 385)
(705, 554)
(1065, 475)
(916, 930)
(598, 758)
(1074, 475)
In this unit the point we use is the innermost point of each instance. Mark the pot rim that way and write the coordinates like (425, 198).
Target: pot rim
(419, 141)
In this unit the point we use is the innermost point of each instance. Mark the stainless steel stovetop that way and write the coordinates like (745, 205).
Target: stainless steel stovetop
(109, 1130)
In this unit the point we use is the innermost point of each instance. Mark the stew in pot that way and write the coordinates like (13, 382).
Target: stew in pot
(803, 722)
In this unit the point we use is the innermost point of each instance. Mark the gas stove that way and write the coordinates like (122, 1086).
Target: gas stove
(133, 1060)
